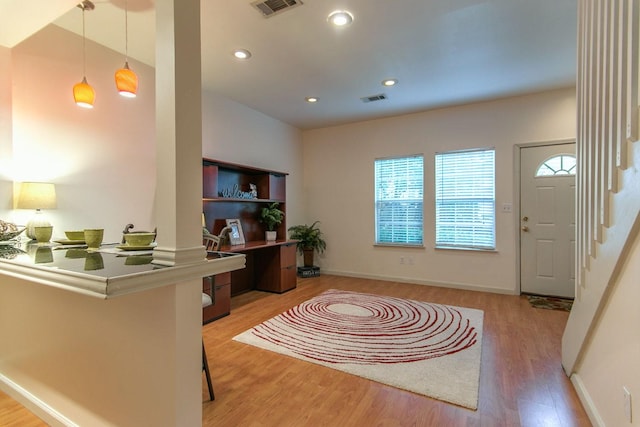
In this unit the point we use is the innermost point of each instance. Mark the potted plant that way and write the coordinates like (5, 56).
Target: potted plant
(271, 217)
(309, 239)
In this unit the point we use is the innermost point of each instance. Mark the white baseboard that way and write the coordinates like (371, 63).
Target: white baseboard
(588, 404)
(453, 285)
(43, 411)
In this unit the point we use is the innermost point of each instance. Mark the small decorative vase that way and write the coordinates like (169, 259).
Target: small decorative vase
(270, 236)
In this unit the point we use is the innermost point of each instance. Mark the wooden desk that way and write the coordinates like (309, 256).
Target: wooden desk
(269, 266)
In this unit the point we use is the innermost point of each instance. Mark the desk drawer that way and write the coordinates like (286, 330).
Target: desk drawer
(288, 255)
(288, 278)
(220, 296)
(222, 278)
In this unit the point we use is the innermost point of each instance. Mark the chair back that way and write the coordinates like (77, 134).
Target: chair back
(211, 243)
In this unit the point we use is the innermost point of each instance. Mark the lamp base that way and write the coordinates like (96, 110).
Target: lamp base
(38, 220)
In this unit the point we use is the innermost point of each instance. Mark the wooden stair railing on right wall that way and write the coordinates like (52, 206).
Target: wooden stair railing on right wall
(608, 179)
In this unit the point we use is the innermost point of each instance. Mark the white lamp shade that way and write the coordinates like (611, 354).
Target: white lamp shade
(37, 195)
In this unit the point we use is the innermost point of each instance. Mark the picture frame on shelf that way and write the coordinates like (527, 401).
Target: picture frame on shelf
(236, 236)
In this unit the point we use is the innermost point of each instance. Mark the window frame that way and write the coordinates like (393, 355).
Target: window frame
(407, 243)
(478, 206)
(556, 172)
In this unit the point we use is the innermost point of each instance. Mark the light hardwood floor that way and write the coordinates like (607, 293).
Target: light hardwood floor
(521, 380)
(12, 414)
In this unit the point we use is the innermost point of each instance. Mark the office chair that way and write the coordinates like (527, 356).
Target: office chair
(206, 301)
(211, 242)
(205, 368)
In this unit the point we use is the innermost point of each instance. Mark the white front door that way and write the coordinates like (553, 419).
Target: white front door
(547, 220)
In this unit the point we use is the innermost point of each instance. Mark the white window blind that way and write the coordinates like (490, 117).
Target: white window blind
(465, 199)
(399, 186)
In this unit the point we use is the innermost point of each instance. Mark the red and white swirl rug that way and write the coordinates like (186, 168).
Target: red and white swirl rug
(426, 348)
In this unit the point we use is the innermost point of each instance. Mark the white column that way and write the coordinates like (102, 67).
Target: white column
(179, 188)
(179, 132)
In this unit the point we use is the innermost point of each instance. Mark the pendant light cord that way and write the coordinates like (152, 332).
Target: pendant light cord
(126, 32)
(84, 48)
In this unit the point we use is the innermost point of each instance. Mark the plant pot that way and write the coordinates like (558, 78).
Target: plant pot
(307, 257)
(270, 236)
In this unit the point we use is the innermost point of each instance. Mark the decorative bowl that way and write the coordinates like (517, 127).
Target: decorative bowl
(75, 235)
(139, 238)
(9, 235)
(10, 252)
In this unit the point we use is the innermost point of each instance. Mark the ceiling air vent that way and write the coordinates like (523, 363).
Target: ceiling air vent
(373, 98)
(269, 8)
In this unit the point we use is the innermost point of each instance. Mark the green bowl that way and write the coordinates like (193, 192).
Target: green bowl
(138, 260)
(139, 238)
(74, 235)
(76, 253)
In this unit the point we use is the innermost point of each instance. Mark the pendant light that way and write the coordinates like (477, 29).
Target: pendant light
(83, 93)
(126, 80)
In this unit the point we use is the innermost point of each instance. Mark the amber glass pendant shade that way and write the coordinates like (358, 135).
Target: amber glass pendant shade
(127, 81)
(83, 94)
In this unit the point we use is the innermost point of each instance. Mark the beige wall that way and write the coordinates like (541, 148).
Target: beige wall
(97, 362)
(338, 185)
(610, 361)
(102, 160)
(5, 129)
(103, 163)
(607, 359)
(234, 133)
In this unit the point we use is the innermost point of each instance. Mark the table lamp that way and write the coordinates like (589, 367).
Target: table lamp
(38, 196)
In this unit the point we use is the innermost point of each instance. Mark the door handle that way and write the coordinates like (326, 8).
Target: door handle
(524, 228)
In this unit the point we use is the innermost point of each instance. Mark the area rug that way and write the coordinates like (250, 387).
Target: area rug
(426, 348)
(550, 303)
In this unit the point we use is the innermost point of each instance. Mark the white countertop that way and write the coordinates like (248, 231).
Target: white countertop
(110, 275)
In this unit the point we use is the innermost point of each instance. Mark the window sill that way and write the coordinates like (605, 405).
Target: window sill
(398, 245)
(453, 248)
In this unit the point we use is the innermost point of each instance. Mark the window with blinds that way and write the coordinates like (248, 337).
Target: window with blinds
(399, 186)
(465, 199)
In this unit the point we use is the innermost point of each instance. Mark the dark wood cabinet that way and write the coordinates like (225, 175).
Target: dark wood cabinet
(218, 288)
(226, 188)
(227, 194)
(277, 271)
(269, 267)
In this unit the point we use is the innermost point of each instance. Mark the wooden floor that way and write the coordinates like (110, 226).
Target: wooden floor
(12, 414)
(521, 380)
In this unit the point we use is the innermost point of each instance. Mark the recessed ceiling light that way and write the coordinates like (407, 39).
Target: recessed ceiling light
(389, 82)
(340, 18)
(242, 54)
(311, 99)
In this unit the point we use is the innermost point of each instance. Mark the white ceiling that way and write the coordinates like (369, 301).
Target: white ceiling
(442, 52)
